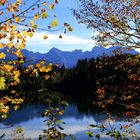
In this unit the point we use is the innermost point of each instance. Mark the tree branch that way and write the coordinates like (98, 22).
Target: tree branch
(20, 12)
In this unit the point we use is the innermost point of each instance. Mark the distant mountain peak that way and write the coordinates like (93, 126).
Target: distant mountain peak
(69, 59)
(77, 50)
(54, 49)
(98, 48)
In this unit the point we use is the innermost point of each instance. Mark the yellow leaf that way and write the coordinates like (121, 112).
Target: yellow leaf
(57, 65)
(51, 6)
(35, 26)
(4, 116)
(1, 13)
(42, 69)
(2, 45)
(19, 130)
(2, 55)
(5, 28)
(45, 36)
(30, 34)
(14, 7)
(45, 69)
(18, 53)
(55, 23)
(8, 68)
(70, 29)
(17, 19)
(22, 46)
(16, 107)
(32, 23)
(61, 112)
(36, 16)
(19, 1)
(46, 77)
(10, 45)
(44, 15)
(25, 33)
(49, 68)
(14, 27)
(4, 109)
(19, 36)
(16, 76)
(8, 8)
(9, 21)
(2, 83)
(44, 3)
(3, 2)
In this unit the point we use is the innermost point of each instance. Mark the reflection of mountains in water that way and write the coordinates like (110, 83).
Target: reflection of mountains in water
(25, 113)
(79, 107)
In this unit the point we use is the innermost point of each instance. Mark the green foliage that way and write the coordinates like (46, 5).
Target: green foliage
(52, 120)
(124, 132)
(18, 133)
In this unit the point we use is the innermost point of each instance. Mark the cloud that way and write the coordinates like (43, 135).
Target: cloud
(138, 50)
(68, 42)
(53, 39)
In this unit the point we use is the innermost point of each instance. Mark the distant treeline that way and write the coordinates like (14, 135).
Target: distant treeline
(88, 74)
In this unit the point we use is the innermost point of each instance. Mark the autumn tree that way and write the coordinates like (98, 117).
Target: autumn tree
(115, 22)
(19, 20)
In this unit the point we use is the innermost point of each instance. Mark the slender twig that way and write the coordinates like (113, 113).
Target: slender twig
(39, 28)
(20, 13)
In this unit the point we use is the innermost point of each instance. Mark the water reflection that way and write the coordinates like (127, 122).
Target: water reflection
(33, 111)
(79, 107)
(78, 115)
(29, 118)
(25, 113)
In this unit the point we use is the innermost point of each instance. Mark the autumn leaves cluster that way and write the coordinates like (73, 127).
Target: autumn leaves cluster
(19, 20)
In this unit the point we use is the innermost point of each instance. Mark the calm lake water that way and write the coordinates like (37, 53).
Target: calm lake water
(78, 115)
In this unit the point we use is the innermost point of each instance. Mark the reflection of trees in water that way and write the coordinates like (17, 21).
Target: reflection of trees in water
(80, 105)
(84, 104)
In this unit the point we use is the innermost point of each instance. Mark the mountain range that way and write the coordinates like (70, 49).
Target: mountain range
(69, 59)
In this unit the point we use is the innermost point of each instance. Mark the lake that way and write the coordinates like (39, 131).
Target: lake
(77, 117)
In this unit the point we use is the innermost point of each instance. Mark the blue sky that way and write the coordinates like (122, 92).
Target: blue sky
(80, 38)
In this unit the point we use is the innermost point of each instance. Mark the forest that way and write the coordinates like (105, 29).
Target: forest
(110, 79)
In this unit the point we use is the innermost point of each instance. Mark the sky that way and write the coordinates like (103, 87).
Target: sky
(80, 38)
